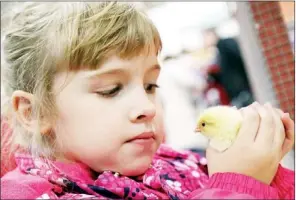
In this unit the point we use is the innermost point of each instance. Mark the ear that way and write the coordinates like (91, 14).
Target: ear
(22, 103)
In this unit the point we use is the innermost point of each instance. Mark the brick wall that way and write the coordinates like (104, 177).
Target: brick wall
(277, 50)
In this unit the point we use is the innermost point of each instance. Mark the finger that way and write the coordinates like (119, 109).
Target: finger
(279, 111)
(266, 131)
(279, 134)
(289, 132)
(249, 126)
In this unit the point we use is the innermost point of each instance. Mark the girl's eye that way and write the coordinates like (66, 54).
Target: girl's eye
(150, 88)
(111, 92)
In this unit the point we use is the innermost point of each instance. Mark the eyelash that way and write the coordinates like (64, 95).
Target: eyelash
(150, 88)
(112, 92)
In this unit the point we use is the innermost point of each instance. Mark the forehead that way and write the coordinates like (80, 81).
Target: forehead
(115, 65)
(142, 61)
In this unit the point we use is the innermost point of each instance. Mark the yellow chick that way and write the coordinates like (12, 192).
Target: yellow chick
(220, 124)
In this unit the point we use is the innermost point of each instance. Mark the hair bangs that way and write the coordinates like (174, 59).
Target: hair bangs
(115, 30)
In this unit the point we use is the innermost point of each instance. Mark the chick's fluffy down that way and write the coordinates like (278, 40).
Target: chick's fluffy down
(220, 124)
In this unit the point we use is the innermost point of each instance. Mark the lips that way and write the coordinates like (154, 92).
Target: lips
(143, 136)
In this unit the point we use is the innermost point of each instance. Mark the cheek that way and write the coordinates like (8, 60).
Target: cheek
(86, 119)
(159, 125)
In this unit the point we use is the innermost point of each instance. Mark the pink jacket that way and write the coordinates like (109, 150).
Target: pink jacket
(173, 175)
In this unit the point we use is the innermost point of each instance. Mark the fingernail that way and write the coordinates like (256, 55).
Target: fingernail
(288, 115)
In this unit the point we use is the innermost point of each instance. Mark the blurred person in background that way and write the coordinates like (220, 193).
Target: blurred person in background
(233, 76)
(214, 93)
(181, 89)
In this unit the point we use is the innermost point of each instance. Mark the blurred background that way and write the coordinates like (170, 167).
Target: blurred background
(221, 53)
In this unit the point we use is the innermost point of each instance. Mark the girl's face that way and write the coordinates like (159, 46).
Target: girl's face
(109, 119)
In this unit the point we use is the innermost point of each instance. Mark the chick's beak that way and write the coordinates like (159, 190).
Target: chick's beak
(197, 130)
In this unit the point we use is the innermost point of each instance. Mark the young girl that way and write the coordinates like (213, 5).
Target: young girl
(81, 78)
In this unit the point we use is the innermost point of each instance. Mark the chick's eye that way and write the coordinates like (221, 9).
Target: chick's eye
(203, 124)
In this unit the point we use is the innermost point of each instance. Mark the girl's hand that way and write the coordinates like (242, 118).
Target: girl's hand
(289, 133)
(259, 147)
(288, 124)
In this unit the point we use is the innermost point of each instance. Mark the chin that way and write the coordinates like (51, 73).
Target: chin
(137, 168)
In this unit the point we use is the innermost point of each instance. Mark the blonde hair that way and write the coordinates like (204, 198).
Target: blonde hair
(43, 38)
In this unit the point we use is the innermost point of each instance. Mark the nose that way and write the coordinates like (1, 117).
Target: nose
(142, 111)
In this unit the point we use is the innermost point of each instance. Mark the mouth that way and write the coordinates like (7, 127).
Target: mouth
(145, 137)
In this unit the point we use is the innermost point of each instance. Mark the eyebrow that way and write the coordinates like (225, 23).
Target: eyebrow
(120, 70)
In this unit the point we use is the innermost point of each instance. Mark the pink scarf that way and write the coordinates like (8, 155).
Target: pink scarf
(173, 175)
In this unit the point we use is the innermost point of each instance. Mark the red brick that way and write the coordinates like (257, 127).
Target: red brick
(270, 32)
(279, 60)
(287, 104)
(272, 65)
(263, 27)
(286, 48)
(279, 87)
(288, 84)
(254, 6)
(291, 94)
(267, 25)
(292, 65)
(291, 68)
(257, 18)
(281, 104)
(276, 62)
(262, 34)
(279, 95)
(276, 79)
(270, 41)
(263, 6)
(277, 15)
(286, 76)
(277, 51)
(283, 97)
(289, 56)
(273, 5)
(265, 45)
(267, 16)
(273, 70)
(268, 54)
(292, 109)
(271, 23)
(283, 39)
(280, 29)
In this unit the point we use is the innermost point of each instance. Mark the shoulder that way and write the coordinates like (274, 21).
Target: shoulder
(17, 185)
